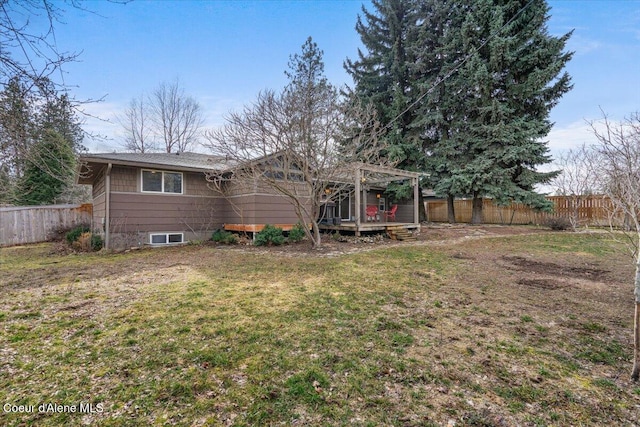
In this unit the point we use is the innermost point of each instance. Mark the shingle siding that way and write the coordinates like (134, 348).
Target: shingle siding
(124, 179)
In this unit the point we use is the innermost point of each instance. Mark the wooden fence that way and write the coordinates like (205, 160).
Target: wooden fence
(31, 224)
(591, 211)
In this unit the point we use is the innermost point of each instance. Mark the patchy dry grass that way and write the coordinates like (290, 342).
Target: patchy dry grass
(519, 330)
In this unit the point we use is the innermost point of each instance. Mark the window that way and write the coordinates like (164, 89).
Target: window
(166, 238)
(161, 182)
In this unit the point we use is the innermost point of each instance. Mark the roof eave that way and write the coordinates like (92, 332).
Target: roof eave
(154, 165)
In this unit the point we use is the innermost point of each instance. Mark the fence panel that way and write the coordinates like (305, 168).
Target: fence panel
(589, 210)
(32, 224)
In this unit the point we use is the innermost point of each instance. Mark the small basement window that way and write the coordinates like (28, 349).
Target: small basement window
(161, 182)
(166, 238)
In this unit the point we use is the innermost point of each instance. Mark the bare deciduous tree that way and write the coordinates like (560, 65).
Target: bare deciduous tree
(135, 122)
(299, 143)
(27, 52)
(167, 117)
(577, 179)
(264, 140)
(618, 170)
(176, 116)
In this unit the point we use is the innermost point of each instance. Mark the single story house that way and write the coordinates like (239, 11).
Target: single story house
(165, 198)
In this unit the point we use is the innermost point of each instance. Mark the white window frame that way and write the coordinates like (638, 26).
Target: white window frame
(161, 181)
(166, 235)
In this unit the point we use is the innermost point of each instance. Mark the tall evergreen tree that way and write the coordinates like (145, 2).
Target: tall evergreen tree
(511, 78)
(437, 52)
(382, 76)
(17, 106)
(49, 170)
(465, 89)
(28, 148)
(310, 99)
(59, 114)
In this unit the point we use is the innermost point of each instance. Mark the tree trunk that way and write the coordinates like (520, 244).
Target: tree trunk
(451, 210)
(422, 212)
(635, 373)
(476, 213)
(315, 240)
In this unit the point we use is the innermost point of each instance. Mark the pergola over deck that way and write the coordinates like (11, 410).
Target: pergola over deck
(363, 176)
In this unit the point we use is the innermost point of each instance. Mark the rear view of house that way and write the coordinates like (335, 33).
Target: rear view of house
(172, 198)
(165, 198)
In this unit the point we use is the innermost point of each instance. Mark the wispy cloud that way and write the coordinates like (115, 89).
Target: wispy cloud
(575, 134)
(215, 108)
(584, 45)
(100, 120)
(570, 136)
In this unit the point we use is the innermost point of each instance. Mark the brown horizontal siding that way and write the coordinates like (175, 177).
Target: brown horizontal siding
(239, 209)
(246, 185)
(146, 203)
(239, 188)
(259, 209)
(404, 213)
(149, 212)
(273, 209)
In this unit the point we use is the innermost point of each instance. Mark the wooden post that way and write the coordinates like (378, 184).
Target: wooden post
(107, 206)
(357, 202)
(416, 200)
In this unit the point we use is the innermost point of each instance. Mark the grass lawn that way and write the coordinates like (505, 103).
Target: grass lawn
(517, 330)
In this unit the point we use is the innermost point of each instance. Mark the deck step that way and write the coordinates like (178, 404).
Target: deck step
(400, 233)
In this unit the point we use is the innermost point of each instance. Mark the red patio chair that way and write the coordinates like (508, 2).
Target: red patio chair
(391, 214)
(372, 213)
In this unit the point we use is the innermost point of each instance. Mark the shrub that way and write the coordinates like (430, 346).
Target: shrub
(96, 242)
(75, 233)
(224, 237)
(88, 242)
(269, 235)
(297, 233)
(560, 223)
(83, 242)
(83, 239)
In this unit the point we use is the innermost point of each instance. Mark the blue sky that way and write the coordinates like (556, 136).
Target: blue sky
(225, 52)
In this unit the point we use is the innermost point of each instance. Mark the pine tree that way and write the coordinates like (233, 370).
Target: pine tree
(310, 99)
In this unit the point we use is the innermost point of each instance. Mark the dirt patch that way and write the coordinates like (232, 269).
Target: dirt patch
(548, 284)
(553, 269)
(76, 306)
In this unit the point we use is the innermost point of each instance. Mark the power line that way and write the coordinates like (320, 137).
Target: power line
(454, 69)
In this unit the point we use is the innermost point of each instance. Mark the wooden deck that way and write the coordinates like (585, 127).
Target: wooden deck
(255, 228)
(368, 226)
